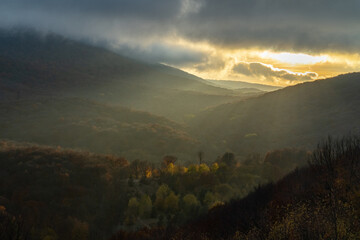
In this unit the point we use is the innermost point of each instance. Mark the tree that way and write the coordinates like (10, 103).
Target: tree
(229, 159)
(171, 203)
(131, 181)
(201, 156)
(209, 199)
(136, 168)
(190, 202)
(140, 168)
(170, 168)
(161, 194)
(49, 234)
(214, 167)
(224, 191)
(12, 227)
(203, 168)
(169, 159)
(145, 206)
(80, 230)
(337, 161)
(133, 207)
(132, 212)
(193, 168)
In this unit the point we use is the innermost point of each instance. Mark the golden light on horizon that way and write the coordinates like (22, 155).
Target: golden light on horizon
(219, 63)
(295, 58)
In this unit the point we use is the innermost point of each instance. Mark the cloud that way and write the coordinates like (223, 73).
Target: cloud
(163, 53)
(190, 6)
(137, 22)
(145, 28)
(284, 25)
(268, 72)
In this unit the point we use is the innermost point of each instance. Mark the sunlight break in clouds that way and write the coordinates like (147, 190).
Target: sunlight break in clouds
(294, 58)
(275, 75)
(299, 37)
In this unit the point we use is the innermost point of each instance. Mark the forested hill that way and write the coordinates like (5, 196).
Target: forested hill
(320, 201)
(57, 91)
(56, 193)
(87, 125)
(35, 65)
(295, 116)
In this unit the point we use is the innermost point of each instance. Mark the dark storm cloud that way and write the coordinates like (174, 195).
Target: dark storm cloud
(163, 53)
(261, 70)
(149, 9)
(307, 25)
(284, 25)
(136, 27)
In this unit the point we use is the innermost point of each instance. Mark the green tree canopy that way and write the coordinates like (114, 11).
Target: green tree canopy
(190, 201)
(145, 206)
(171, 203)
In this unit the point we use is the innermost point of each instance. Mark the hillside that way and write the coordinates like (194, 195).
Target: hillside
(297, 116)
(87, 125)
(61, 193)
(34, 65)
(57, 91)
(55, 193)
(320, 201)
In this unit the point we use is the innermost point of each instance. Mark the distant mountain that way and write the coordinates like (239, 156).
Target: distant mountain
(243, 85)
(297, 116)
(41, 66)
(63, 75)
(86, 125)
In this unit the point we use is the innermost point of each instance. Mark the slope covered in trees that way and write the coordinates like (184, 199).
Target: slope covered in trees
(91, 126)
(297, 116)
(56, 193)
(56, 91)
(43, 66)
(49, 193)
(320, 201)
(36, 68)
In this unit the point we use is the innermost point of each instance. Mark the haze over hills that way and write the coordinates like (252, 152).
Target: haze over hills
(95, 127)
(57, 91)
(297, 116)
(243, 85)
(34, 65)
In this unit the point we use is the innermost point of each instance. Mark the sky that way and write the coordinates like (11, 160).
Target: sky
(277, 42)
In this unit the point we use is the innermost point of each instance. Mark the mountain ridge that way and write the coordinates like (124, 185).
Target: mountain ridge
(53, 65)
(235, 84)
(296, 116)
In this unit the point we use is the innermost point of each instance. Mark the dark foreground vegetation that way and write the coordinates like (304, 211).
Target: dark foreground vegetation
(320, 201)
(51, 193)
(55, 193)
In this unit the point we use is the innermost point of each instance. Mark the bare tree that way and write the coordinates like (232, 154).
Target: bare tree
(201, 156)
(334, 159)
